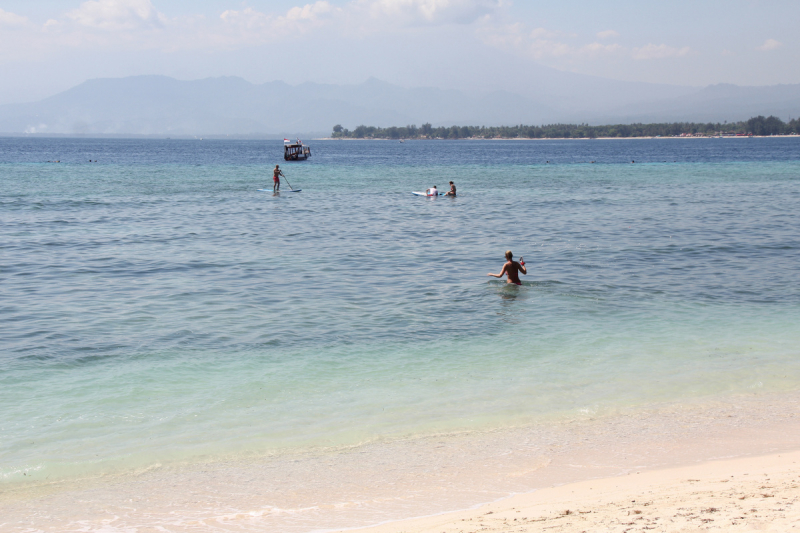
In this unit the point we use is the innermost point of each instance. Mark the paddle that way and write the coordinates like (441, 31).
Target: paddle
(289, 184)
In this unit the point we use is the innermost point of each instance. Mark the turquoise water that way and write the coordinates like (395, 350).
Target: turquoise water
(157, 309)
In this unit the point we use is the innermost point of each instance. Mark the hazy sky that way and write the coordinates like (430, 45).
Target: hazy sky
(50, 45)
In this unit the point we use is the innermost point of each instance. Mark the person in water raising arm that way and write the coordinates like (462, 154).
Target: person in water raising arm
(276, 180)
(511, 269)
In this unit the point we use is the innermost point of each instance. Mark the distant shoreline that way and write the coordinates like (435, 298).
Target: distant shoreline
(793, 136)
(754, 126)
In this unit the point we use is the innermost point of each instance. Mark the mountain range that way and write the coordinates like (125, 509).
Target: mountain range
(159, 105)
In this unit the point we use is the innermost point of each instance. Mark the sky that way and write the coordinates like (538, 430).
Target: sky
(47, 46)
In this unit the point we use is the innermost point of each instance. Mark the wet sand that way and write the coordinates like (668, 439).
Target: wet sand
(601, 470)
(744, 494)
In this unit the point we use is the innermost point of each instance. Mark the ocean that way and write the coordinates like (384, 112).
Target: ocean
(167, 329)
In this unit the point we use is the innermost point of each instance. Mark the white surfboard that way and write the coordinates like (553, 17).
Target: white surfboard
(424, 194)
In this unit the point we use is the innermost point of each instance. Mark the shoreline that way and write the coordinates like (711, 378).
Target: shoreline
(745, 493)
(746, 486)
(388, 482)
(562, 138)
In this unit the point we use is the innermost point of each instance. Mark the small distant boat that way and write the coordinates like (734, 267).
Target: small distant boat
(295, 151)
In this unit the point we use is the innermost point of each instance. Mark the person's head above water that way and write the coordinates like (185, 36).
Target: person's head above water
(509, 255)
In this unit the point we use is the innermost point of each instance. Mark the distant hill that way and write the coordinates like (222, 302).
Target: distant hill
(159, 105)
(162, 105)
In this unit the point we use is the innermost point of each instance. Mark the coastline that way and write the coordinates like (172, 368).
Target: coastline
(742, 494)
(562, 138)
(754, 484)
(389, 481)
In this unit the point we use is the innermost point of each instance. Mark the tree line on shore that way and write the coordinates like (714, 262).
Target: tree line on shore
(755, 126)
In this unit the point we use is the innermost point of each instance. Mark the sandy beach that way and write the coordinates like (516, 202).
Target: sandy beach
(744, 494)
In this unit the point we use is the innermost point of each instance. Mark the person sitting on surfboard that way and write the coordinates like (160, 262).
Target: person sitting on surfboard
(432, 191)
(452, 191)
(276, 180)
(512, 269)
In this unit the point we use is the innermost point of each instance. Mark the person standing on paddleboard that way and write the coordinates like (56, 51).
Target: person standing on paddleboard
(512, 269)
(276, 180)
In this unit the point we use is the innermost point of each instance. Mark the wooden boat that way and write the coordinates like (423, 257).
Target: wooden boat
(295, 151)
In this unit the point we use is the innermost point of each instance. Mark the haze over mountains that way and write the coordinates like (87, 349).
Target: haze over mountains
(159, 105)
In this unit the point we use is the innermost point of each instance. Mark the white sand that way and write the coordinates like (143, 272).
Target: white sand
(745, 494)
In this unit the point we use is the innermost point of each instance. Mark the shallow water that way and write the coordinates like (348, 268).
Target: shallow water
(156, 309)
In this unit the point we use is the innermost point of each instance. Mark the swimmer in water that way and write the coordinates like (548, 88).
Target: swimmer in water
(511, 269)
(452, 191)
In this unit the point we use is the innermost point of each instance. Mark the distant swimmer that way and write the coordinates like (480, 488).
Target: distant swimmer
(276, 180)
(433, 191)
(511, 269)
(452, 191)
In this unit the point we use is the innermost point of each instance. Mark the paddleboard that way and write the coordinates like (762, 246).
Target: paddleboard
(424, 194)
(284, 190)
